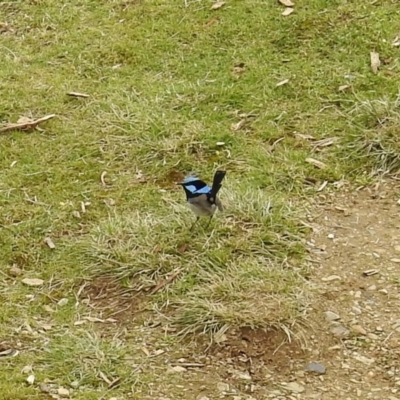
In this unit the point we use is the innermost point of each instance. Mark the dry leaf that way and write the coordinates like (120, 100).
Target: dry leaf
(287, 11)
(396, 41)
(104, 377)
(322, 187)
(287, 3)
(27, 369)
(62, 302)
(47, 327)
(145, 351)
(77, 323)
(218, 5)
(303, 136)
(50, 243)
(316, 163)
(281, 83)
(325, 142)
(24, 120)
(375, 62)
(239, 68)
(343, 88)
(102, 176)
(25, 123)
(183, 248)
(77, 94)
(239, 125)
(48, 309)
(32, 281)
(94, 319)
(211, 22)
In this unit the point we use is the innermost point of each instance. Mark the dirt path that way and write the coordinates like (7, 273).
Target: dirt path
(355, 258)
(356, 251)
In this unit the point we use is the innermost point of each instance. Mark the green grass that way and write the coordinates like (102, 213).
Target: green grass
(163, 92)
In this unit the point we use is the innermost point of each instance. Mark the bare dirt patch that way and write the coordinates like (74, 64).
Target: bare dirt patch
(112, 300)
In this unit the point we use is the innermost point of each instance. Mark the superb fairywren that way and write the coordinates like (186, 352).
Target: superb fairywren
(202, 199)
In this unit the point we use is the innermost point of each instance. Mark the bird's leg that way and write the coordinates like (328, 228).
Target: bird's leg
(194, 223)
(209, 222)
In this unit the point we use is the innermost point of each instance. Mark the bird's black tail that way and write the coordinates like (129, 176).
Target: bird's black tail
(218, 178)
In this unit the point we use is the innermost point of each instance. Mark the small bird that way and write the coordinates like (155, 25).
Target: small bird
(202, 199)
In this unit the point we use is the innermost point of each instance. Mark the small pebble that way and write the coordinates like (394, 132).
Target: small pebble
(62, 302)
(63, 392)
(44, 387)
(315, 367)
(359, 329)
(294, 387)
(331, 316)
(15, 271)
(338, 330)
(223, 387)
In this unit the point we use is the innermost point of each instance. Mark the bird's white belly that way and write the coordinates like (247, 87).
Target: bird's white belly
(201, 212)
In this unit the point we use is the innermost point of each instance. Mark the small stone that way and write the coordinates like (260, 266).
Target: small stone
(363, 359)
(241, 375)
(338, 330)
(75, 384)
(359, 329)
(356, 310)
(395, 260)
(63, 392)
(315, 367)
(372, 336)
(27, 369)
(62, 302)
(30, 379)
(44, 387)
(294, 387)
(201, 398)
(331, 236)
(15, 271)
(331, 278)
(371, 288)
(223, 387)
(331, 316)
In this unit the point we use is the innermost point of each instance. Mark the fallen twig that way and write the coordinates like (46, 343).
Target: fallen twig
(166, 281)
(25, 124)
(77, 94)
(189, 365)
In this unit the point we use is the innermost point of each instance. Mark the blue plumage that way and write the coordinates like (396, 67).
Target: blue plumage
(202, 199)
